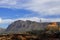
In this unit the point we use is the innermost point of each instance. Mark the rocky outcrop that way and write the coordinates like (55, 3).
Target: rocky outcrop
(23, 26)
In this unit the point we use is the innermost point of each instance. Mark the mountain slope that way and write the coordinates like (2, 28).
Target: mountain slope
(23, 26)
(2, 30)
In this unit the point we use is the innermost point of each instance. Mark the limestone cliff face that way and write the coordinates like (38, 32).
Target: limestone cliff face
(23, 26)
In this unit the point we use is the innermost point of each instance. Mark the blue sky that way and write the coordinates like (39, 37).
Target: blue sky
(13, 13)
(34, 10)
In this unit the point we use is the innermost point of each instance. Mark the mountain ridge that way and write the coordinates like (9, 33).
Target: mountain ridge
(23, 26)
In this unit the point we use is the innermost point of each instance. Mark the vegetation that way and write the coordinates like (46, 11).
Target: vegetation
(33, 31)
(51, 31)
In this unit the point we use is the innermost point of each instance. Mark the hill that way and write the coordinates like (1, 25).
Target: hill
(23, 26)
(2, 30)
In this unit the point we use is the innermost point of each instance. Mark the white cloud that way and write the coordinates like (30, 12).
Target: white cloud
(43, 7)
(3, 21)
(30, 18)
(50, 20)
(0, 20)
(8, 21)
(8, 2)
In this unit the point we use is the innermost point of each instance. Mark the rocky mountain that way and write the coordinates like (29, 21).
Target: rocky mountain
(23, 26)
(2, 30)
